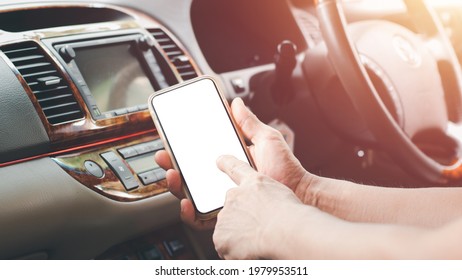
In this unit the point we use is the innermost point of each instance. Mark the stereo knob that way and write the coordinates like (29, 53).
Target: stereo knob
(67, 53)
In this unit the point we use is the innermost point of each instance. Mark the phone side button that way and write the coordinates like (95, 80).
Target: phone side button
(147, 177)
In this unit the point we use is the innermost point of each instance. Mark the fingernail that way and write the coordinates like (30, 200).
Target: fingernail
(238, 99)
(181, 207)
(220, 158)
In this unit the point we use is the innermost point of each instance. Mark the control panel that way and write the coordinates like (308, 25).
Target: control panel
(124, 171)
(140, 156)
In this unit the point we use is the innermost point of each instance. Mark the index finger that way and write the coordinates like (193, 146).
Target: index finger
(236, 169)
(163, 159)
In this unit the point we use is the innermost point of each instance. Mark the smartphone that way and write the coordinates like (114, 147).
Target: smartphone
(195, 124)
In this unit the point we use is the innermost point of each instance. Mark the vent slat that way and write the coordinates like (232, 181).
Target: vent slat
(158, 33)
(61, 96)
(27, 67)
(188, 73)
(26, 58)
(57, 101)
(48, 91)
(186, 67)
(59, 106)
(42, 73)
(11, 50)
(62, 111)
(63, 116)
(169, 46)
(189, 76)
(175, 54)
(163, 41)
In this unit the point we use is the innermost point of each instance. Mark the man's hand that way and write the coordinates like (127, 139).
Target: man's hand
(251, 219)
(269, 152)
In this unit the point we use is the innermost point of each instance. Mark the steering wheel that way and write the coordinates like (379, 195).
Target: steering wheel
(414, 119)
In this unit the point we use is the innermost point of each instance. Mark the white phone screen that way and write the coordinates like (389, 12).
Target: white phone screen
(198, 130)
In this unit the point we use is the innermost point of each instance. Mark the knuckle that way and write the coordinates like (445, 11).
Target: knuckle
(273, 134)
(247, 121)
(236, 168)
(232, 195)
(216, 240)
(259, 178)
(256, 181)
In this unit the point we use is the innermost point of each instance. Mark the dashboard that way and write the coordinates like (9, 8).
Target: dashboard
(78, 178)
(88, 81)
(75, 83)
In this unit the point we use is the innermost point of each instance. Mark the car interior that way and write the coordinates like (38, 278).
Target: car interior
(362, 90)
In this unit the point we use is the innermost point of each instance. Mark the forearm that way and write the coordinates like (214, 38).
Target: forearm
(322, 236)
(360, 203)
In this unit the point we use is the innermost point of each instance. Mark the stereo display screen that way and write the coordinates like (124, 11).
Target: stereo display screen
(114, 76)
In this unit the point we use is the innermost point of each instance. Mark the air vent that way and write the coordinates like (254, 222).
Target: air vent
(45, 81)
(175, 54)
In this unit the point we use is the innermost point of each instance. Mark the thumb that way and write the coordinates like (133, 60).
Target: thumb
(252, 128)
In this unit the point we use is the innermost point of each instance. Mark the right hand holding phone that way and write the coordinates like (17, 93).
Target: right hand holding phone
(270, 153)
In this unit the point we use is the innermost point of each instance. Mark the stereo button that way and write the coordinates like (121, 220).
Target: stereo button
(143, 107)
(93, 168)
(155, 145)
(133, 109)
(147, 177)
(160, 174)
(121, 112)
(142, 148)
(128, 152)
(121, 170)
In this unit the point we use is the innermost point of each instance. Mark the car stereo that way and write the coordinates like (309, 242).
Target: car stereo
(115, 73)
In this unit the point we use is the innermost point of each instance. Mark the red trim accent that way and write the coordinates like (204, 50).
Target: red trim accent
(77, 148)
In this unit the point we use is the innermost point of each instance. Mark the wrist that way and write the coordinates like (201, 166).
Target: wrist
(329, 195)
(307, 188)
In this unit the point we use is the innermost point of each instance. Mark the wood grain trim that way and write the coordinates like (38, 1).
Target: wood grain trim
(80, 148)
(109, 185)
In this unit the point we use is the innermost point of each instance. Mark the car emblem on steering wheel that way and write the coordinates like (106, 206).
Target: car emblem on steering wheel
(406, 51)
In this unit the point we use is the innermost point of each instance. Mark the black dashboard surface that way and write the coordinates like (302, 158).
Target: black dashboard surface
(233, 37)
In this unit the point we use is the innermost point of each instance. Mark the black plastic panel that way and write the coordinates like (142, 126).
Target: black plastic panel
(241, 34)
(23, 20)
